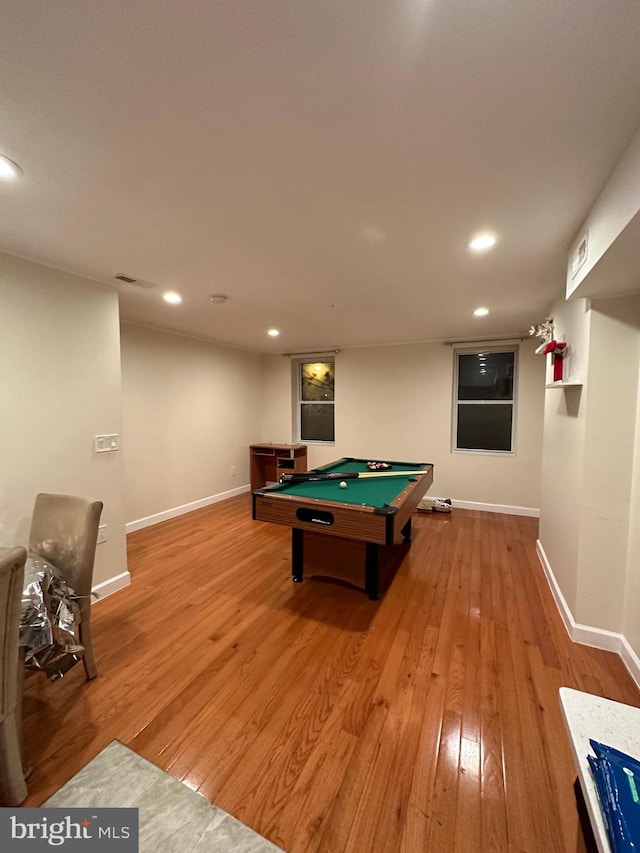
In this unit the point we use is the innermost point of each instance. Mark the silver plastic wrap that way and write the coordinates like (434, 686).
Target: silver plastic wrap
(49, 614)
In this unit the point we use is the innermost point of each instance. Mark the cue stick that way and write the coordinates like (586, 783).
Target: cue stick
(311, 476)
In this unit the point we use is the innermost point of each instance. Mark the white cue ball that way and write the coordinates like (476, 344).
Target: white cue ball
(343, 484)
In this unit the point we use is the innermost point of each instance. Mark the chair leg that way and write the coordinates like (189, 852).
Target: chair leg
(90, 668)
(11, 773)
(19, 701)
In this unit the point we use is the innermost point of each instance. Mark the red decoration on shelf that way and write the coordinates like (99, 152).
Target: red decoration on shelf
(556, 349)
(557, 368)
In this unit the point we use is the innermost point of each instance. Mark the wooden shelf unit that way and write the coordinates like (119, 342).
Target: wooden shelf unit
(269, 461)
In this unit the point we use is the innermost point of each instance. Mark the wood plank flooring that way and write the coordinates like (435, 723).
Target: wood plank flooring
(427, 721)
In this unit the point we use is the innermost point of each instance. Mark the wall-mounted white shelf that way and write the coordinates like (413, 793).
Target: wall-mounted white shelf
(572, 381)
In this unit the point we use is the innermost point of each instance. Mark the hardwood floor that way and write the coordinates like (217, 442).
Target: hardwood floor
(427, 721)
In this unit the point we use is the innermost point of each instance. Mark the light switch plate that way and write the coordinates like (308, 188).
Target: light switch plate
(106, 443)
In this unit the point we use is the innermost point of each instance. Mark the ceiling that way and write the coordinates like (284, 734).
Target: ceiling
(321, 163)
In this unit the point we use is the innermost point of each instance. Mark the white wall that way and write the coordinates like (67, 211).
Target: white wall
(588, 528)
(563, 453)
(276, 413)
(608, 461)
(590, 510)
(631, 623)
(60, 383)
(190, 410)
(396, 402)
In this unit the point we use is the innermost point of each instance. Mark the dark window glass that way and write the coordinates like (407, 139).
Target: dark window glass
(485, 376)
(484, 410)
(484, 427)
(316, 422)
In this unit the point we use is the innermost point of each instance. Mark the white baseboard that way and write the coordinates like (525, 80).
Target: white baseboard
(505, 509)
(587, 635)
(108, 587)
(558, 597)
(630, 659)
(166, 514)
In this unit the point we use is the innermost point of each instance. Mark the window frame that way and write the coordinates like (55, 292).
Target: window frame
(456, 402)
(298, 402)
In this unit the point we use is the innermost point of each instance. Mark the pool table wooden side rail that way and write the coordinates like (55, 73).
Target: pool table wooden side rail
(407, 507)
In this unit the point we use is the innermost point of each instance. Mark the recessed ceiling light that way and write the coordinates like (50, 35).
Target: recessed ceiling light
(172, 297)
(273, 333)
(9, 170)
(481, 242)
(481, 312)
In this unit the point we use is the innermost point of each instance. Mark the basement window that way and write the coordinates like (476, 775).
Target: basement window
(316, 399)
(484, 410)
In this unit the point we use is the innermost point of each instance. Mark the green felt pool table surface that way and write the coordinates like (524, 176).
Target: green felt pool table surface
(372, 491)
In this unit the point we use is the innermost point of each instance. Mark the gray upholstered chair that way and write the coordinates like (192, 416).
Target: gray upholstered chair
(64, 530)
(11, 585)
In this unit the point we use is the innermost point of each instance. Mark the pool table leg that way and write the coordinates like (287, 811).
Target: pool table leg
(297, 554)
(406, 531)
(372, 563)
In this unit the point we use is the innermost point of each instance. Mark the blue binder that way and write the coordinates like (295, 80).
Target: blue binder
(617, 779)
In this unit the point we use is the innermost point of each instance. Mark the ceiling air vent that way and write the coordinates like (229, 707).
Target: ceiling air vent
(137, 281)
(580, 254)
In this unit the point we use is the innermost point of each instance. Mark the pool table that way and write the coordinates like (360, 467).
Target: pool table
(339, 532)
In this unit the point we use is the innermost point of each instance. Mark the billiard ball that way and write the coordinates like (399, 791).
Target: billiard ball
(343, 484)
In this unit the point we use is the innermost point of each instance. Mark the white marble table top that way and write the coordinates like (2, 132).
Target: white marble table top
(608, 722)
